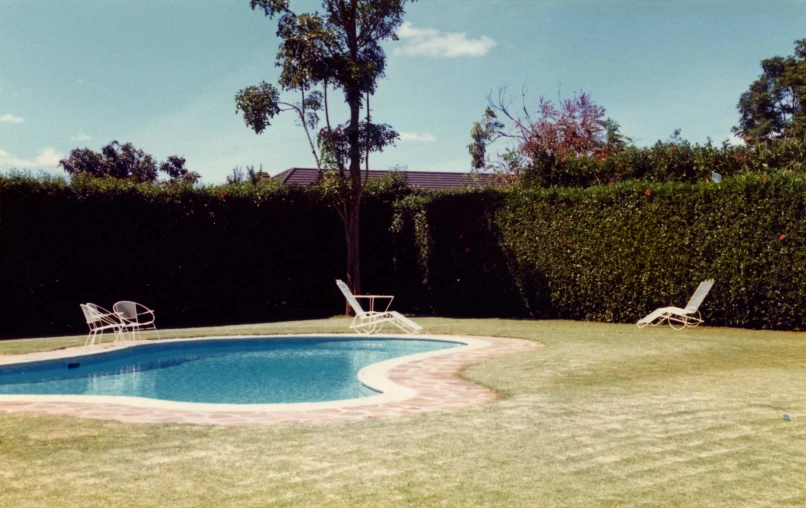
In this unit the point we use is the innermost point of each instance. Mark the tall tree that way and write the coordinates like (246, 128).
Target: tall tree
(337, 49)
(775, 105)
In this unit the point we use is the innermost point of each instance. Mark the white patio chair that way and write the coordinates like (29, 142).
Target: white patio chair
(678, 318)
(367, 322)
(101, 320)
(135, 317)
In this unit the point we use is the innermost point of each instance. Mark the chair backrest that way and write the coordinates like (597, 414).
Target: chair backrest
(126, 310)
(350, 298)
(90, 314)
(699, 295)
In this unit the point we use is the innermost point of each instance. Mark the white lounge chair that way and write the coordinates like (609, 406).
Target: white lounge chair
(367, 322)
(101, 320)
(678, 318)
(135, 317)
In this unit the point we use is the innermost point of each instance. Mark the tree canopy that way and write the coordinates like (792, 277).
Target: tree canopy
(774, 107)
(340, 49)
(126, 161)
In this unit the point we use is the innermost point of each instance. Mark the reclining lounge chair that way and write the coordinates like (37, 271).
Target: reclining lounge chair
(680, 318)
(367, 322)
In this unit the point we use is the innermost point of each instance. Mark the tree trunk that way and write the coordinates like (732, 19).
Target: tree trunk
(353, 208)
(351, 236)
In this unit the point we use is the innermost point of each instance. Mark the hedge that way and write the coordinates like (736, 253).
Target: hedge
(200, 256)
(674, 160)
(616, 253)
(244, 253)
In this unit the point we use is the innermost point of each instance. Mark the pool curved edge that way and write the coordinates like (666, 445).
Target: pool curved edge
(408, 384)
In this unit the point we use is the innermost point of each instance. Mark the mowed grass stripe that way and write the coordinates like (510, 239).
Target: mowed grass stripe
(604, 415)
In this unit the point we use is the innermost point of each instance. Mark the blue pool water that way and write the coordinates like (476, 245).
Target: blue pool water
(239, 371)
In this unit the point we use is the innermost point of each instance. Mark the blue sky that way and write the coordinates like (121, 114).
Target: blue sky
(162, 74)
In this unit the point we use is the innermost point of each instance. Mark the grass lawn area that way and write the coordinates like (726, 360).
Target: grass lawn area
(603, 415)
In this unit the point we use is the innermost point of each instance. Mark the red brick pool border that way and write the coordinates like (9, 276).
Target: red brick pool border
(434, 380)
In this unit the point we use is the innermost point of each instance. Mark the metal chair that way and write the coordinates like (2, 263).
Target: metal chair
(100, 320)
(372, 321)
(135, 317)
(687, 317)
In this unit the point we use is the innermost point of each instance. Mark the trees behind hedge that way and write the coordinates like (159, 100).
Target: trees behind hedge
(126, 162)
(576, 146)
(774, 107)
(543, 137)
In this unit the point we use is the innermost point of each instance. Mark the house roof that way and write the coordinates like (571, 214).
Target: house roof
(434, 180)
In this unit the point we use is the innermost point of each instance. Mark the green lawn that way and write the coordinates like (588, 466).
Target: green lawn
(603, 415)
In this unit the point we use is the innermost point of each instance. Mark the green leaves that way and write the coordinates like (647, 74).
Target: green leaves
(270, 7)
(616, 253)
(259, 105)
(772, 108)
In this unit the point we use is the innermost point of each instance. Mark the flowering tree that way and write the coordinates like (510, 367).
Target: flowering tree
(573, 127)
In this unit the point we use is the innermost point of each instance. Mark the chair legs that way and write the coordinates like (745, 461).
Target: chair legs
(93, 335)
(138, 331)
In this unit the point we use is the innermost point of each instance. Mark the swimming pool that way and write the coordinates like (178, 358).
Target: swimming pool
(229, 371)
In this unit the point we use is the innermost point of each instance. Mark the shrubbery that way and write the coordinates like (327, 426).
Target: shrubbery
(250, 253)
(675, 160)
(615, 253)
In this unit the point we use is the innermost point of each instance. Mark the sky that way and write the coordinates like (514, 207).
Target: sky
(163, 74)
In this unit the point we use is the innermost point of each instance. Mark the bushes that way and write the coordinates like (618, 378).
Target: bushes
(244, 253)
(615, 253)
(199, 256)
(675, 160)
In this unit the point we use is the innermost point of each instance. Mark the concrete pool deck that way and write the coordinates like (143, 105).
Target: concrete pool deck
(413, 384)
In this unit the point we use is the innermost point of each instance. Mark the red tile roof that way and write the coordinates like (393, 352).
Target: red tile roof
(434, 180)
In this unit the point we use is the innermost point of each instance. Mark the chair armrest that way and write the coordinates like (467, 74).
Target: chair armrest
(372, 300)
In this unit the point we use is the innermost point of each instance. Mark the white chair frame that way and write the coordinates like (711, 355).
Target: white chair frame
(135, 317)
(687, 317)
(101, 320)
(372, 321)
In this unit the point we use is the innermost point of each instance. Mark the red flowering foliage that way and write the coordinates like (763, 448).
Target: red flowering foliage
(782, 237)
(648, 192)
(223, 193)
(764, 180)
(574, 125)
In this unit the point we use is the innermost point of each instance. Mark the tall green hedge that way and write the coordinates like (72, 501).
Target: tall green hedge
(203, 256)
(616, 253)
(243, 253)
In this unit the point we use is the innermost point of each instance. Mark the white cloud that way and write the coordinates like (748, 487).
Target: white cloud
(431, 42)
(47, 157)
(9, 118)
(81, 136)
(423, 137)
(735, 140)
